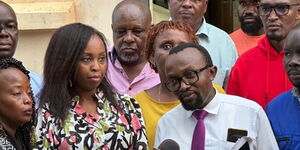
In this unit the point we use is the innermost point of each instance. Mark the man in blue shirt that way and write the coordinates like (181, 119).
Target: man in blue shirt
(218, 43)
(9, 40)
(284, 110)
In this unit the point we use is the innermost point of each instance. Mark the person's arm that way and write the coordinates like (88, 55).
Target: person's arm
(234, 56)
(157, 135)
(233, 82)
(265, 137)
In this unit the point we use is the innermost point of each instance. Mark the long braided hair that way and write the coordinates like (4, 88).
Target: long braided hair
(26, 128)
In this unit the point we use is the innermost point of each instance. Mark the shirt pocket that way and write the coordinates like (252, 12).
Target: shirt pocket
(284, 142)
(227, 145)
(291, 142)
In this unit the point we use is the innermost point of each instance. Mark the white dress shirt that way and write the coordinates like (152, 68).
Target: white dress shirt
(224, 111)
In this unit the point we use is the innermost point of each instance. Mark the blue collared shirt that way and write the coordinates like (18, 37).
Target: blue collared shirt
(284, 115)
(221, 49)
(36, 82)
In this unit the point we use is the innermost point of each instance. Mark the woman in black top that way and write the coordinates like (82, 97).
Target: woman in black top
(16, 106)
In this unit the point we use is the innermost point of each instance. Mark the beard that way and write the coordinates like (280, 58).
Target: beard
(129, 59)
(275, 35)
(192, 104)
(252, 28)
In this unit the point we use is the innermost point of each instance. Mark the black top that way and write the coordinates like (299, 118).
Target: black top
(9, 142)
(17, 141)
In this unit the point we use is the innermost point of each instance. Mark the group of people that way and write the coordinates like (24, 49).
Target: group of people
(157, 82)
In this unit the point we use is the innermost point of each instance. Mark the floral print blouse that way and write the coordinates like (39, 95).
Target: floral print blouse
(110, 129)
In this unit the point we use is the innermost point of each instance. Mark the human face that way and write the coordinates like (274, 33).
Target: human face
(162, 44)
(8, 31)
(249, 18)
(292, 57)
(91, 67)
(15, 98)
(129, 34)
(188, 11)
(199, 94)
(277, 27)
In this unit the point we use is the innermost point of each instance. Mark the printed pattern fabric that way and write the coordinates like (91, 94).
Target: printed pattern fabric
(110, 129)
(4, 142)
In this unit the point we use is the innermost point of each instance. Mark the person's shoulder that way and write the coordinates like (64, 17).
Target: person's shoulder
(280, 100)
(128, 101)
(240, 102)
(44, 108)
(235, 34)
(217, 31)
(174, 114)
(124, 97)
(35, 76)
(141, 96)
(250, 56)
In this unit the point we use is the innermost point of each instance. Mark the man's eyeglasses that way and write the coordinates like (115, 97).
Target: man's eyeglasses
(280, 9)
(188, 78)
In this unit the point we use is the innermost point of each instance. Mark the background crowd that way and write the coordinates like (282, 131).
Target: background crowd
(181, 79)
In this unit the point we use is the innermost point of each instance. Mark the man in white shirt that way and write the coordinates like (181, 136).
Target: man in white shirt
(228, 117)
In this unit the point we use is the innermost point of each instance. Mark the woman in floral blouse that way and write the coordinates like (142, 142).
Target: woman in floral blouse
(79, 108)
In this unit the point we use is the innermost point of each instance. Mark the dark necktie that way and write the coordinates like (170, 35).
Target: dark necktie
(198, 142)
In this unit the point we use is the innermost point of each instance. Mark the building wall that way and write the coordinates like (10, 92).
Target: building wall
(33, 42)
(97, 13)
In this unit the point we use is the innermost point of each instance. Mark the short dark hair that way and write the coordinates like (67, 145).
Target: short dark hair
(142, 6)
(200, 48)
(12, 62)
(25, 129)
(162, 26)
(63, 52)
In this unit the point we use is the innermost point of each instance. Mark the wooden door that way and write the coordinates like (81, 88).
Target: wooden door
(219, 13)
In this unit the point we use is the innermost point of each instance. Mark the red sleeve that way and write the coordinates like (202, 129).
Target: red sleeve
(233, 82)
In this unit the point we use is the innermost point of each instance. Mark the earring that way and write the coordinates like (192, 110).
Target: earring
(70, 83)
(153, 66)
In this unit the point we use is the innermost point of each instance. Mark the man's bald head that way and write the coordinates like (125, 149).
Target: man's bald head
(125, 5)
(8, 30)
(292, 56)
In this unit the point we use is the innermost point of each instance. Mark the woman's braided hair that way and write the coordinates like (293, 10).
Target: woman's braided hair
(25, 129)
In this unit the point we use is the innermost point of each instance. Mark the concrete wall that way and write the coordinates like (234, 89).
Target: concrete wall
(37, 23)
(33, 42)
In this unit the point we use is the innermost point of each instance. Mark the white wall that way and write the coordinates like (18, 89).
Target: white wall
(33, 43)
(97, 13)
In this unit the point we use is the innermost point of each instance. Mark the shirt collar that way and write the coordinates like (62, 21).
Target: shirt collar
(113, 58)
(212, 107)
(203, 30)
(295, 93)
(112, 54)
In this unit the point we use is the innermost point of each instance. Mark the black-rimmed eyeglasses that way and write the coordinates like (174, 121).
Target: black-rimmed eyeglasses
(189, 78)
(280, 9)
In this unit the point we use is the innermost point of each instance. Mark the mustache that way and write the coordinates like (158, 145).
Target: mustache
(249, 16)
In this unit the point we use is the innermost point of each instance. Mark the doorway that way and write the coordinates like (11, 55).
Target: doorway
(220, 14)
